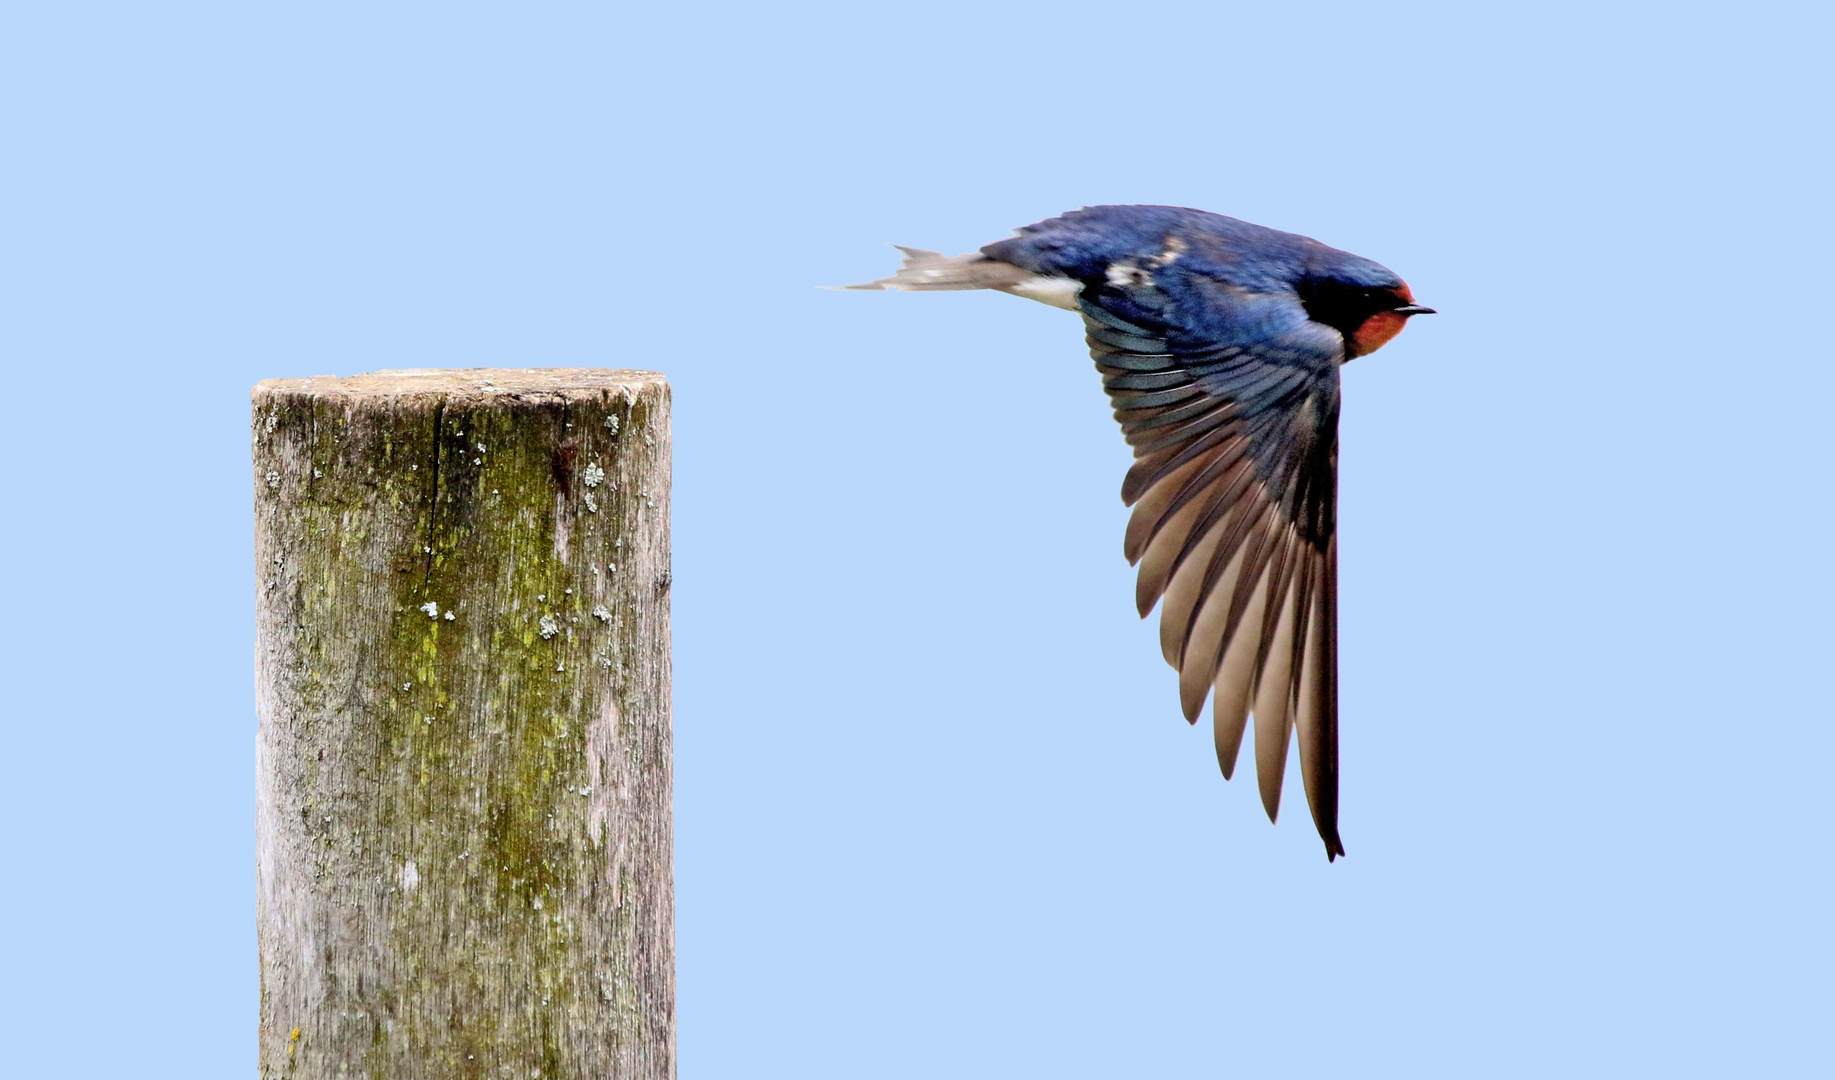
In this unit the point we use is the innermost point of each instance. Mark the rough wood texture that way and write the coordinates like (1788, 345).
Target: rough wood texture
(463, 766)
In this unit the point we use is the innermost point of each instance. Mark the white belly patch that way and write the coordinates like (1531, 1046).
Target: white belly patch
(1059, 292)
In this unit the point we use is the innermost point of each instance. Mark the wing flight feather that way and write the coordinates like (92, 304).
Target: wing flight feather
(1233, 526)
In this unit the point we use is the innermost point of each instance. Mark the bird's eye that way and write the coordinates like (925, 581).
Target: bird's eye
(1345, 305)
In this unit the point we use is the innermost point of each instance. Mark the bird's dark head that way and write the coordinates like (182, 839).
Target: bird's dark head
(1364, 301)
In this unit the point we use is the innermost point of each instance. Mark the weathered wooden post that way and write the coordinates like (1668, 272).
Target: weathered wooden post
(463, 766)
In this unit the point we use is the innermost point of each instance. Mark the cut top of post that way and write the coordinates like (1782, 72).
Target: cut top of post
(467, 384)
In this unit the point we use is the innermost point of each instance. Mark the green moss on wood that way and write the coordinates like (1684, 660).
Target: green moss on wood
(470, 760)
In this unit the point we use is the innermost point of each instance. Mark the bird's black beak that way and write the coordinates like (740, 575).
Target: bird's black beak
(1414, 309)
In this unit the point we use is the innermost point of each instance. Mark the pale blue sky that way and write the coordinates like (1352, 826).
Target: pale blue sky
(937, 812)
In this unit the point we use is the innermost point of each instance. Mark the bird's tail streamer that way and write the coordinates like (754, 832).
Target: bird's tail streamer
(933, 271)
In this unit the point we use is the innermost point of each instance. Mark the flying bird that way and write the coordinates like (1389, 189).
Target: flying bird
(1219, 343)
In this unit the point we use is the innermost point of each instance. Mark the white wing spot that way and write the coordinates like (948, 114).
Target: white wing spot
(1175, 247)
(1123, 275)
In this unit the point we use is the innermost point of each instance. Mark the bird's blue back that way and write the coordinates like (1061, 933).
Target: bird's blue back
(1083, 243)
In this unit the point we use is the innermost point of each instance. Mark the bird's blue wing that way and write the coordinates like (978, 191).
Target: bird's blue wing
(1229, 397)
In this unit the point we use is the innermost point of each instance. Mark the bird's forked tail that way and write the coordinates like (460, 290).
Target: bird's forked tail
(926, 271)
(933, 271)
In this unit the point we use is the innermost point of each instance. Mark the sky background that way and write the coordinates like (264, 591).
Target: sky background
(937, 812)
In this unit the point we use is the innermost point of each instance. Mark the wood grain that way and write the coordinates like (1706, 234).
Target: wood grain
(463, 762)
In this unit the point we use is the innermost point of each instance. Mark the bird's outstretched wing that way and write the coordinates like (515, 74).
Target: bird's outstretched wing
(1229, 397)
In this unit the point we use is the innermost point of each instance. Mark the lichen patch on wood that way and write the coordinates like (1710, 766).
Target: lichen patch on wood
(464, 755)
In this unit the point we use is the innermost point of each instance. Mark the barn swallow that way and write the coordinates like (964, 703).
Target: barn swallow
(1219, 343)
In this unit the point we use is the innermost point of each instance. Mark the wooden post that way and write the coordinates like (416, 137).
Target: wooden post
(463, 766)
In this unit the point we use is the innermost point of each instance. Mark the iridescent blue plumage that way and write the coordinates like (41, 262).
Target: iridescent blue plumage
(1082, 243)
